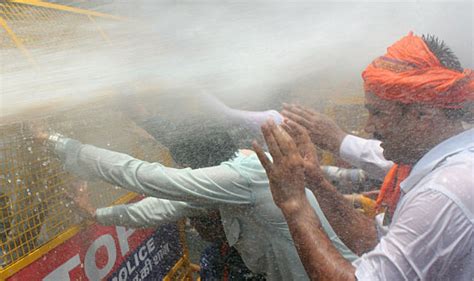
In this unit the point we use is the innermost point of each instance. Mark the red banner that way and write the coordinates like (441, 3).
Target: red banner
(100, 252)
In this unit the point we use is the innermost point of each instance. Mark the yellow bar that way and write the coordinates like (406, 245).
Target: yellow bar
(58, 240)
(66, 9)
(102, 33)
(180, 263)
(38, 253)
(17, 41)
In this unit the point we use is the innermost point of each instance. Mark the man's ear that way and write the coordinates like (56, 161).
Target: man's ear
(425, 112)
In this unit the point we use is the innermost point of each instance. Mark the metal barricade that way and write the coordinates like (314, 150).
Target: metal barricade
(35, 213)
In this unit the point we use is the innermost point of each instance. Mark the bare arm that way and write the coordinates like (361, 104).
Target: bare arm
(356, 230)
(286, 174)
(320, 258)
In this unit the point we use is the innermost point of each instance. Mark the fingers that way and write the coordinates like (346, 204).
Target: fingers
(287, 128)
(303, 112)
(296, 128)
(295, 117)
(285, 142)
(272, 144)
(266, 163)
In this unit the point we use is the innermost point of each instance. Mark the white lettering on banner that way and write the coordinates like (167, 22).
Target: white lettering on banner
(62, 272)
(123, 234)
(131, 269)
(93, 272)
(123, 274)
(140, 265)
(90, 265)
(161, 254)
(150, 245)
(142, 253)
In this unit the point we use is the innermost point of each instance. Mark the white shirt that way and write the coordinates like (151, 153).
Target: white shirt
(239, 188)
(431, 235)
(148, 212)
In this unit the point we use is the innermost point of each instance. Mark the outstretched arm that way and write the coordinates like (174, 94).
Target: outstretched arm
(148, 212)
(286, 174)
(218, 184)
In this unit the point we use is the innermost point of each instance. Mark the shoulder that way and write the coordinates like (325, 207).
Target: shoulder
(454, 178)
(246, 163)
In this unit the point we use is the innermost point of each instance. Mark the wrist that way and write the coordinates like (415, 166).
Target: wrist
(53, 139)
(317, 181)
(336, 146)
(294, 206)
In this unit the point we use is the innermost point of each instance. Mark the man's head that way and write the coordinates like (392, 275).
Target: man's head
(207, 147)
(416, 95)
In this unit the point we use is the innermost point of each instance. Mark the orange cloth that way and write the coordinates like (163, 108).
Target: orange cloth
(390, 191)
(410, 73)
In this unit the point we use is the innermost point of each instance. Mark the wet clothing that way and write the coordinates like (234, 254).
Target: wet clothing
(431, 236)
(219, 262)
(239, 188)
(148, 212)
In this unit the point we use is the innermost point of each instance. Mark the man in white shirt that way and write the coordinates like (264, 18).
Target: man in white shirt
(416, 95)
(253, 224)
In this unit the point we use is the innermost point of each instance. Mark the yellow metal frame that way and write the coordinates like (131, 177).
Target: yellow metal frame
(58, 240)
(39, 3)
(183, 266)
(17, 41)
(91, 15)
(183, 269)
(13, 268)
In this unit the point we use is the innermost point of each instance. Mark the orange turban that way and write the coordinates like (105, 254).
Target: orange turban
(410, 73)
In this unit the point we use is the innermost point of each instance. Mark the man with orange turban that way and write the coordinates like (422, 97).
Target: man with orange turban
(417, 95)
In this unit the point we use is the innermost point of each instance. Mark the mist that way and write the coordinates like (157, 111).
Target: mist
(251, 55)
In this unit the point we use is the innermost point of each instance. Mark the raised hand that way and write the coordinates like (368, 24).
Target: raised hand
(306, 148)
(324, 132)
(286, 172)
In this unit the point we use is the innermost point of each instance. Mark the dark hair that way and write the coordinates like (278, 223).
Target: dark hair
(195, 144)
(444, 54)
(206, 147)
(449, 60)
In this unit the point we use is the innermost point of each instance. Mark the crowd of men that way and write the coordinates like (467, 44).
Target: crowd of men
(283, 216)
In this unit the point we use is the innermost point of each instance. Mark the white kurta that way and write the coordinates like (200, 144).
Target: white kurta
(431, 236)
(239, 188)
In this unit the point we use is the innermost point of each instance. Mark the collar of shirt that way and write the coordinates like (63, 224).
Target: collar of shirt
(443, 150)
